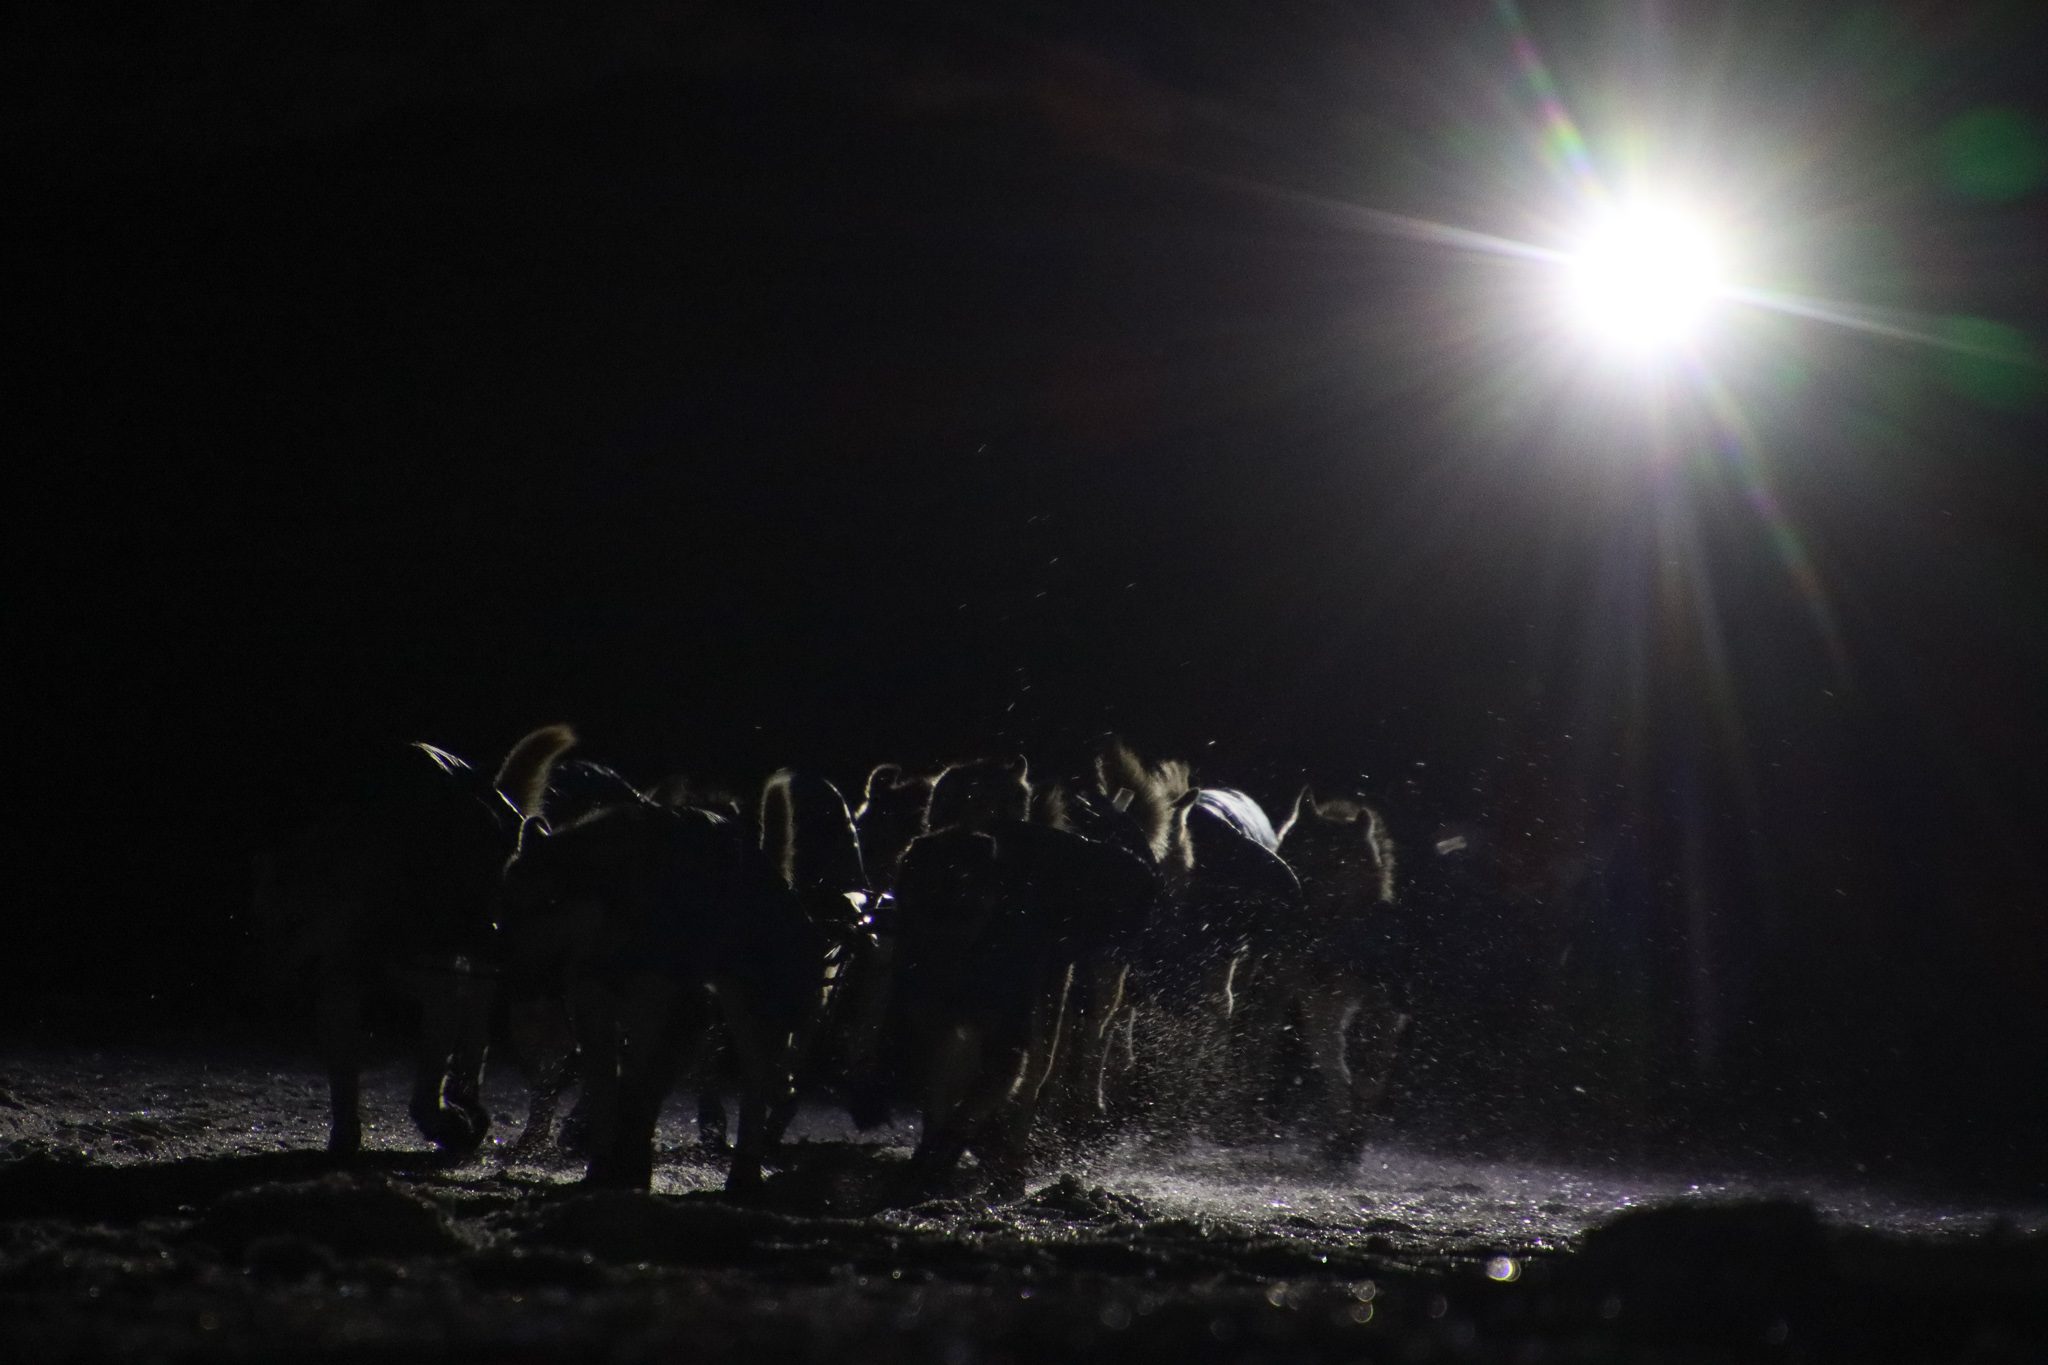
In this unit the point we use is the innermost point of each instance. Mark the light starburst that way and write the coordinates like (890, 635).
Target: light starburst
(1646, 278)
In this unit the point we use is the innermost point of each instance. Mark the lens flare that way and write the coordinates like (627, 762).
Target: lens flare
(1645, 278)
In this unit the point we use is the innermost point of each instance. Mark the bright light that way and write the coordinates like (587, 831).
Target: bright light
(1644, 279)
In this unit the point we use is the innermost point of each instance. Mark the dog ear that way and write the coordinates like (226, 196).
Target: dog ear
(881, 778)
(1021, 768)
(1305, 803)
(532, 830)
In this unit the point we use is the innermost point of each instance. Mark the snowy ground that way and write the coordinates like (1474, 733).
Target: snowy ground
(158, 1205)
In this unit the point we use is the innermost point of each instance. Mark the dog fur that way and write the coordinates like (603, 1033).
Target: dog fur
(656, 923)
(977, 993)
(539, 1029)
(1225, 882)
(997, 919)
(891, 814)
(1119, 879)
(391, 894)
(980, 794)
(1327, 971)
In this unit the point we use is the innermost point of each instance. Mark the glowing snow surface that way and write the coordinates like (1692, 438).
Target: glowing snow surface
(1415, 1199)
(128, 1107)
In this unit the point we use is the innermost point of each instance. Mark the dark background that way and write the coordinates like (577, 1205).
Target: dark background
(752, 390)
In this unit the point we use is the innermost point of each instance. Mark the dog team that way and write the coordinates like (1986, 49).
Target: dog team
(1030, 968)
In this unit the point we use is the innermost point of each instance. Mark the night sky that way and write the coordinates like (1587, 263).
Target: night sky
(751, 392)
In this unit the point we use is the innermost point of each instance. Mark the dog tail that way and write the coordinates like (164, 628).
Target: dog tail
(1155, 789)
(778, 825)
(523, 776)
(1049, 806)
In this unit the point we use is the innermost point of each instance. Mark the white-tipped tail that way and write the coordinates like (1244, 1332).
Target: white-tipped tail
(523, 776)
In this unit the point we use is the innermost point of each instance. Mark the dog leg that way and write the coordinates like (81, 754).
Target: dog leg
(1385, 1026)
(448, 1070)
(765, 1084)
(339, 1024)
(1078, 1097)
(541, 1038)
(597, 1049)
(470, 1051)
(952, 1061)
(1004, 1117)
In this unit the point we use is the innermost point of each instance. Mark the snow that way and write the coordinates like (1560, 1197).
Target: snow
(176, 1203)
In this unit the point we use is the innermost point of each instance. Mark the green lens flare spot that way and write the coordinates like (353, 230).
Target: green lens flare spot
(1993, 363)
(1791, 373)
(1994, 154)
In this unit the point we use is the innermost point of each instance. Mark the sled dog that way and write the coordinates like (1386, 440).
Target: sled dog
(391, 894)
(655, 923)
